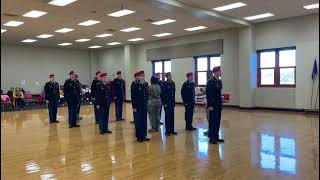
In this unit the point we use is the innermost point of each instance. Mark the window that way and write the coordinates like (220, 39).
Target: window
(162, 67)
(277, 67)
(203, 64)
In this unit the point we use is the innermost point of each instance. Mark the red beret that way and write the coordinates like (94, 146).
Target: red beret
(168, 74)
(139, 73)
(118, 72)
(215, 69)
(98, 72)
(189, 74)
(71, 72)
(51, 75)
(103, 74)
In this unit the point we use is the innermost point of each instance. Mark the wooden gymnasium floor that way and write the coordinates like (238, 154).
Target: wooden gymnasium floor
(259, 145)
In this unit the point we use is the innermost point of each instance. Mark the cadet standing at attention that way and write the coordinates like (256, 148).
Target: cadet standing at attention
(139, 94)
(214, 104)
(96, 80)
(133, 84)
(103, 100)
(118, 83)
(168, 101)
(160, 83)
(72, 97)
(79, 105)
(52, 96)
(188, 98)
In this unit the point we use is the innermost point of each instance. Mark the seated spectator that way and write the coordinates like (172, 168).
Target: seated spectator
(10, 93)
(18, 97)
(61, 100)
(22, 90)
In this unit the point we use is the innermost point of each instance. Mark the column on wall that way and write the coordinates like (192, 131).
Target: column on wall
(93, 63)
(127, 71)
(247, 67)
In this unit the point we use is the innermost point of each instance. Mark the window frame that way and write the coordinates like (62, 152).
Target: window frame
(162, 62)
(276, 68)
(208, 66)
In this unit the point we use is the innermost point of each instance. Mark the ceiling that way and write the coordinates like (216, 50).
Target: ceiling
(187, 13)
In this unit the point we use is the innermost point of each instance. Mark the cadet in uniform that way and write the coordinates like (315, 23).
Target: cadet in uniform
(118, 83)
(52, 96)
(103, 100)
(96, 80)
(188, 97)
(214, 104)
(139, 95)
(168, 102)
(160, 83)
(72, 97)
(136, 80)
(79, 105)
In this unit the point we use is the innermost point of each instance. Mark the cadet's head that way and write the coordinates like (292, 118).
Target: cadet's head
(141, 75)
(135, 76)
(154, 80)
(98, 73)
(103, 77)
(217, 71)
(119, 74)
(168, 76)
(72, 74)
(189, 76)
(157, 75)
(52, 77)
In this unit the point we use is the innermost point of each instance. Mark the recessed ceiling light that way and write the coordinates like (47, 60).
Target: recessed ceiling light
(130, 29)
(61, 2)
(94, 47)
(89, 23)
(259, 16)
(13, 23)
(82, 40)
(121, 13)
(64, 44)
(195, 28)
(3, 30)
(103, 35)
(230, 6)
(136, 39)
(34, 14)
(113, 43)
(64, 30)
(45, 36)
(162, 34)
(166, 21)
(29, 40)
(312, 6)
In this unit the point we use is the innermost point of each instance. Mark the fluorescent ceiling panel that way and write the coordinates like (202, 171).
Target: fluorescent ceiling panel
(13, 23)
(166, 21)
(89, 23)
(120, 13)
(61, 2)
(259, 16)
(230, 6)
(34, 14)
(195, 28)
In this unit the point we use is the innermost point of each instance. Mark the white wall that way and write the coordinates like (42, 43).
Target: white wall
(111, 60)
(302, 32)
(35, 64)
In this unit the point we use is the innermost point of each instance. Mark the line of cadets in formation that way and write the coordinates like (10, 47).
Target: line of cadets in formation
(101, 93)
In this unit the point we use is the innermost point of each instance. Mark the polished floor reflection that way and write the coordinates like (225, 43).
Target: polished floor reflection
(258, 145)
